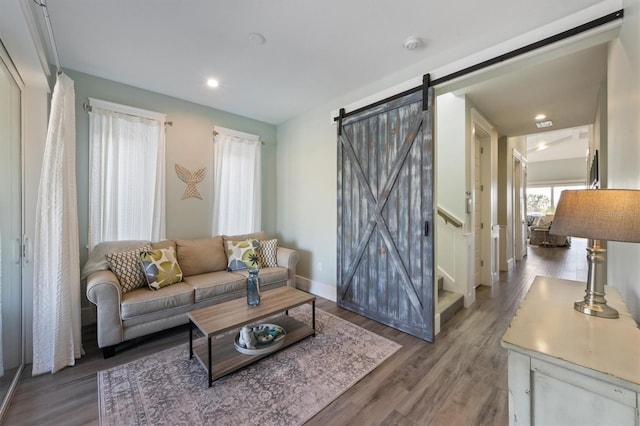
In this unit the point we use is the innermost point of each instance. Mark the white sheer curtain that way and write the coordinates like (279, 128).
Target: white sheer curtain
(237, 200)
(56, 292)
(126, 173)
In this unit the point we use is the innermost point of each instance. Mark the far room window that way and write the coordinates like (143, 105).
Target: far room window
(126, 173)
(544, 199)
(237, 197)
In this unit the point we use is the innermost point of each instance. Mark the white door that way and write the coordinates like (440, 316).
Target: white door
(10, 228)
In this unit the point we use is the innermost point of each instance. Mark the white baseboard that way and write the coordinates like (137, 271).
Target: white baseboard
(510, 264)
(314, 287)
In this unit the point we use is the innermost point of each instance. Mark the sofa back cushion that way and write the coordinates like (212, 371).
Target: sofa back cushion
(163, 245)
(199, 256)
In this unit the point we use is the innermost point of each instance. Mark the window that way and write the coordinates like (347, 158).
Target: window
(126, 173)
(543, 199)
(237, 201)
(539, 200)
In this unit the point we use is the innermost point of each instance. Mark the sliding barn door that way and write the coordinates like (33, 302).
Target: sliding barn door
(385, 213)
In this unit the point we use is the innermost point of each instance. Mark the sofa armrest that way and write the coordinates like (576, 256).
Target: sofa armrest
(288, 258)
(103, 290)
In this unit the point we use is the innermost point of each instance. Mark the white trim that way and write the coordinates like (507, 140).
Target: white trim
(510, 263)
(235, 133)
(314, 287)
(518, 156)
(586, 15)
(11, 67)
(126, 109)
(30, 20)
(447, 280)
(547, 183)
(483, 123)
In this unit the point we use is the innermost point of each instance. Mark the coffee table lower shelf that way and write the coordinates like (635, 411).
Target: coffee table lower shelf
(225, 359)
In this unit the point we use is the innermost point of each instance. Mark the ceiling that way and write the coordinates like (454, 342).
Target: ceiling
(564, 89)
(318, 51)
(558, 144)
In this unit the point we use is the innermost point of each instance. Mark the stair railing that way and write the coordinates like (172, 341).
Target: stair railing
(449, 218)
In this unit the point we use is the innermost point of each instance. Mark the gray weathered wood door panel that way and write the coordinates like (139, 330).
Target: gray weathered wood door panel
(385, 198)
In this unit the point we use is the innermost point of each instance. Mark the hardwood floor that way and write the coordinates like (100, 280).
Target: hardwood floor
(461, 379)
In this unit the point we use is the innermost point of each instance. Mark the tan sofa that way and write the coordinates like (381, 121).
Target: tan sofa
(125, 316)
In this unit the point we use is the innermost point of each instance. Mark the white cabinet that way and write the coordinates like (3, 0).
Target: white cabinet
(567, 368)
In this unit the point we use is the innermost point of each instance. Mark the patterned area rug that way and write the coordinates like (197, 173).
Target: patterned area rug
(286, 388)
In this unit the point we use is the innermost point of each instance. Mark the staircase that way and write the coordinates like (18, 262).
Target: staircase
(447, 304)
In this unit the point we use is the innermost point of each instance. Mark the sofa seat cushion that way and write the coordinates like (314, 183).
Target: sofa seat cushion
(145, 301)
(215, 284)
(268, 275)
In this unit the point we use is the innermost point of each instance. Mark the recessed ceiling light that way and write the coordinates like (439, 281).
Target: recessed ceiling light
(540, 117)
(543, 124)
(212, 82)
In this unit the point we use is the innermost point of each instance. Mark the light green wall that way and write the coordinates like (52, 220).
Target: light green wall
(188, 143)
(451, 146)
(307, 194)
(623, 139)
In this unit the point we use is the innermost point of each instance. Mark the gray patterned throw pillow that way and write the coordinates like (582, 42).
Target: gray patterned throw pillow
(126, 266)
(268, 253)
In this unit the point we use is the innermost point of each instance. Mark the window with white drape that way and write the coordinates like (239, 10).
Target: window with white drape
(237, 201)
(126, 173)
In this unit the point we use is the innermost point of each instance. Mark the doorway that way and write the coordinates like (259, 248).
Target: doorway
(484, 213)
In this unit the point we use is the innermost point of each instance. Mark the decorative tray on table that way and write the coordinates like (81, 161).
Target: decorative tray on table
(268, 338)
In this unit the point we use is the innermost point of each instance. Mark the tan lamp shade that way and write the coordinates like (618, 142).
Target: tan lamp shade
(599, 214)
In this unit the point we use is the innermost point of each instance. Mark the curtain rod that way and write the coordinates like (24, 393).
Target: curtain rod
(216, 134)
(47, 20)
(88, 108)
(238, 135)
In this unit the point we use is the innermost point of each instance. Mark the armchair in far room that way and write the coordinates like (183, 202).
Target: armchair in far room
(539, 234)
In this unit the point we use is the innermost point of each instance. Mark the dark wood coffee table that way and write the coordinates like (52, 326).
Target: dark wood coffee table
(218, 319)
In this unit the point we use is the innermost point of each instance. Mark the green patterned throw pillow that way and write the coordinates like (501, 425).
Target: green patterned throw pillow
(126, 266)
(268, 253)
(161, 267)
(243, 255)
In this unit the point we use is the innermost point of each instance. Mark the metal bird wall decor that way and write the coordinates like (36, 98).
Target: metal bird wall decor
(191, 179)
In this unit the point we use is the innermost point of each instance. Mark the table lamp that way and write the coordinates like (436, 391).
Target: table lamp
(598, 214)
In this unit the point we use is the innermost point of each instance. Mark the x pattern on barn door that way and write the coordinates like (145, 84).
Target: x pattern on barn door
(385, 210)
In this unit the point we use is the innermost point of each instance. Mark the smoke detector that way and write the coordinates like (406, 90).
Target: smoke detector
(257, 38)
(412, 43)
